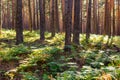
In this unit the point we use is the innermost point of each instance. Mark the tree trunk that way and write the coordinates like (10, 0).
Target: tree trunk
(13, 14)
(81, 15)
(68, 24)
(88, 25)
(113, 29)
(0, 17)
(34, 25)
(42, 19)
(63, 13)
(52, 20)
(37, 14)
(56, 16)
(107, 26)
(19, 27)
(8, 15)
(76, 29)
(30, 16)
(95, 29)
(118, 19)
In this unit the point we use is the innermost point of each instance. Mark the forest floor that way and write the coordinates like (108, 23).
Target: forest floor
(36, 60)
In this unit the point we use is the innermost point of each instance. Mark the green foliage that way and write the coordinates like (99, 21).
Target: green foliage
(29, 76)
(53, 68)
(67, 75)
(31, 34)
(57, 40)
(97, 62)
(40, 57)
(9, 34)
(49, 57)
(43, 54)
(20, 49)
(88, 73)
(35, 57)
(14, 52)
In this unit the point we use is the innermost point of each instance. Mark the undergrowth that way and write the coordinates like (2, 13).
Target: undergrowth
(48, 61)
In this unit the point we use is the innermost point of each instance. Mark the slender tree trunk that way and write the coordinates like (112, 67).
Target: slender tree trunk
(37, 14)
(63, 13)
(107, 18)
(95, 17)
(88, 25)
(19, 27)
(30, 15)
(56, 16)
(113, 29)
(0, 17)
(76, 29)
(8, 15)
(52, 20)
(118, 21)
(81, 15)
(98, 20)
(68, 24)
(13, 14)
(42, 19)
(113, 22)
(34, 25)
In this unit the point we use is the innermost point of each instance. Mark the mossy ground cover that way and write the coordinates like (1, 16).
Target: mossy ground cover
(36, 60)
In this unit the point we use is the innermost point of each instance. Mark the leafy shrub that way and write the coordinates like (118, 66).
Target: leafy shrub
(29, 76)
(57, 40)
(20, 49)
(31, 34)
(13, 53)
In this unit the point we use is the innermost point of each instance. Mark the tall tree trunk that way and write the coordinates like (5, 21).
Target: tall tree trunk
(34, 25)
(19, 27)
(13, 14)
(52, 20)
(56, 16)
(68, 24)
(30, 15)
(81, 15)
(118, 19)
(37, 14)
(113, 21)
(113, 29)
(88, 25)
(8, 15)
(107, 18)
(107, 26)
(0, 17)
(76, 29)
(95, 17)
(63, 13)
(98, 19)
(42, 19)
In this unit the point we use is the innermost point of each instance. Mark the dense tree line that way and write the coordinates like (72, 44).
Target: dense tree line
(69, 16)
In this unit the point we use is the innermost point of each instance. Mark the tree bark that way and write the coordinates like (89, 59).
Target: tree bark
(13, 14)
(30, 16)
(88, 25)
(52, 20)
(34, 25)
(118, 19)
(19, 27)
(63, 13)
(68, 24)
(76, 29)
(42, 19)
(95, 22)
(0, 17)
(56, 16)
